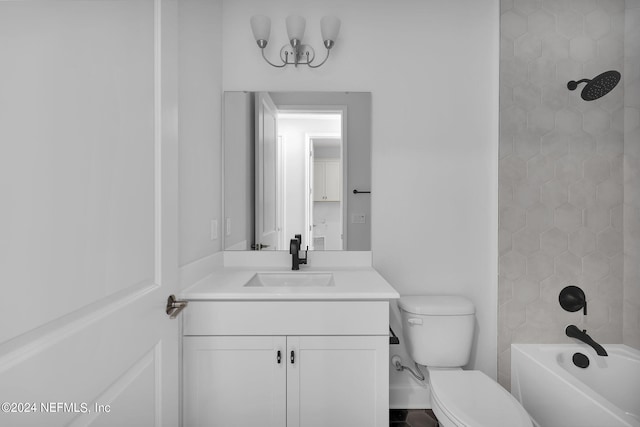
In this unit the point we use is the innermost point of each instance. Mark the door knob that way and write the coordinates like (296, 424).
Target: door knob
(174, 306)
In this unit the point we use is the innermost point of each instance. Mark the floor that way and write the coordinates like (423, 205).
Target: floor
(412, 418)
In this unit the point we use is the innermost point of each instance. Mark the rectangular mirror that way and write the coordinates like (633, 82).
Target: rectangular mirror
(297, 163)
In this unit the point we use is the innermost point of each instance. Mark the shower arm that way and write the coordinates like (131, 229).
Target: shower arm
(573, 85)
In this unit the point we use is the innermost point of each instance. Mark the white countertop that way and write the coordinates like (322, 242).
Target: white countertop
(227, 283)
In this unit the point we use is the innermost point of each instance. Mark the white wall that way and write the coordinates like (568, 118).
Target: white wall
(432, 67)
(239, 175)
(200, 115)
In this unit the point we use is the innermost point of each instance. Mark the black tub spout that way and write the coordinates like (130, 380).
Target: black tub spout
(572, 331)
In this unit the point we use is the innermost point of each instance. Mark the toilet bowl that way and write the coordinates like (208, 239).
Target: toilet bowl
(438, 333)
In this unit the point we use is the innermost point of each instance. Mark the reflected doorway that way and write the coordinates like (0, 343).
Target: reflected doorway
(310, 178)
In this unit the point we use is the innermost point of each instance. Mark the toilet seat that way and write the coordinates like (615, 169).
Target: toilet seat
(472, 399)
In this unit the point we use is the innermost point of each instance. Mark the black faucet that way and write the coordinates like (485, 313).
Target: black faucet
(572, 331)
(294, 250)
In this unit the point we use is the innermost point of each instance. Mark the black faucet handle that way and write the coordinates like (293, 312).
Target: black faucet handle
(294, 246)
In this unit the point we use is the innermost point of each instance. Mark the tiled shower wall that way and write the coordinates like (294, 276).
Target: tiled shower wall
(561, 174)
(631, 214)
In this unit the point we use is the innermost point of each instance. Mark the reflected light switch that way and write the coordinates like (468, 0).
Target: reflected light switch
(358, 219)
(214, 229)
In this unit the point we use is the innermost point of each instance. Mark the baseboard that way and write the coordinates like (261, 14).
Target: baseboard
(407, 396)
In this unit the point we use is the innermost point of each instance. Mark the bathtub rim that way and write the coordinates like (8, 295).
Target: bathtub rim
(547, 353)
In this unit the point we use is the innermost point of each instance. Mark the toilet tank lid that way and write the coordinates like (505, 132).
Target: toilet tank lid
(436, 305)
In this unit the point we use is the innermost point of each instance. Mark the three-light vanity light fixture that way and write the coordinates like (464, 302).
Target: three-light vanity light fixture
(295, 53)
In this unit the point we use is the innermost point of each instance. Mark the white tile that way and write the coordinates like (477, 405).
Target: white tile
(568, 266)
(597, 24)
(512, 218)
(526, 195)
(569, 121)
(582, 242)
(528, 46)
(539, 217)
(582, 194)
(610, 193)
(540, 169)
(609, 242)
(570, 23)
(595, 266)
(540, 266)
(526, 290)
(554, 241)
(596, 169)
(526, 241)
(568, 218)
(554, 144)
(596, 120)
(554, 193)
(512, 265)
(541, 22)
(582, 145)
(555, 46)
(527, 144)
(512, 25)
(582, 48)
(526, 7)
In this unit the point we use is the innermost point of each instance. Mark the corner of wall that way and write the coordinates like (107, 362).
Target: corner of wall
(200, 136)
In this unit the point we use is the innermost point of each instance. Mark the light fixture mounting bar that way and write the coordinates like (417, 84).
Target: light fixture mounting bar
(302, 54)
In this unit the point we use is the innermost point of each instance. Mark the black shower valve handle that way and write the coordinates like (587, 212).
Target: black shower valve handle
(573, 299)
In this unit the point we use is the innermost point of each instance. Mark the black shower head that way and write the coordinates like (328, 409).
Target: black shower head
(598, 87)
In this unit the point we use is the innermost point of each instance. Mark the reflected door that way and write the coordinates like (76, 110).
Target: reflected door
(266, 173)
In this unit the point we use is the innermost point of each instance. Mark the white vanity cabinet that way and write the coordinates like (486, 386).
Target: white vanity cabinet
(286, 363)
(326, 180)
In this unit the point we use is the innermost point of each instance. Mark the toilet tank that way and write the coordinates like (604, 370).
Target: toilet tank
(438, 330)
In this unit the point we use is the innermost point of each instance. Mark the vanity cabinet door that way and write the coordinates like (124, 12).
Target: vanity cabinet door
(234, 381)
(332, 181)
(337, 381)
(326, 180)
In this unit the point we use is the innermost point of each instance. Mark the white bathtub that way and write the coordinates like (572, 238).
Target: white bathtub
(556, 393)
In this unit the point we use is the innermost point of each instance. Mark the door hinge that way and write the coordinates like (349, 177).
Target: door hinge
(258, 246)
(174, 306)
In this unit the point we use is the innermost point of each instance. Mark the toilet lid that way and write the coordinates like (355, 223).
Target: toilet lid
(471, 398)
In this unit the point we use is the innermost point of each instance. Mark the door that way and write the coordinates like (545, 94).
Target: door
(326, 178)
(266, 172)
(337, 381)
(332, 180)
(235, 381)
(88, 225)
(319, 182)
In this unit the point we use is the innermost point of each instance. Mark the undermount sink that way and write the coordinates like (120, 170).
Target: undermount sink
(291, 280)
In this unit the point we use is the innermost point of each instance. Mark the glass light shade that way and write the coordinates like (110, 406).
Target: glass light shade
(261, 27)
(295, 27)
(329, 28)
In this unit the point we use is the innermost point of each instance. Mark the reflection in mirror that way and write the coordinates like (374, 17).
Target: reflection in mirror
(292, 161)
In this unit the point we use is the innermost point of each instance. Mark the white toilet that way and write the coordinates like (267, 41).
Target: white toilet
(438, 333)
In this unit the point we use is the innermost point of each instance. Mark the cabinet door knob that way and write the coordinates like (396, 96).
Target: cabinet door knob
(279, 357)
(293, 357)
